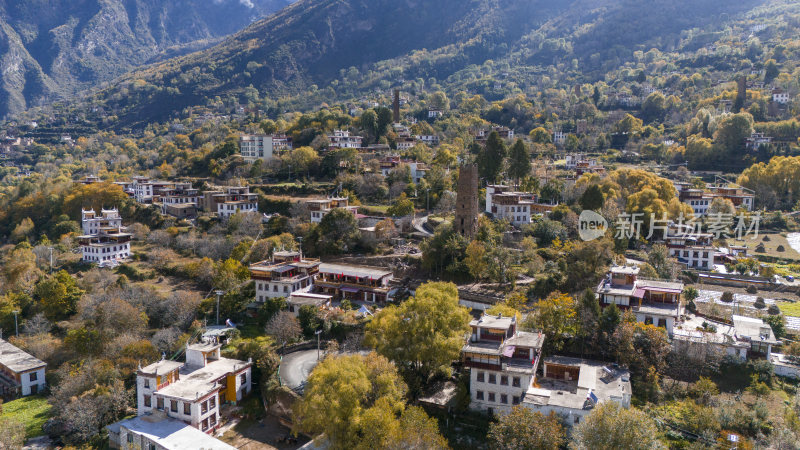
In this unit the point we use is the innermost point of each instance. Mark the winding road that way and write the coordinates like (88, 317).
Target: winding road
(418, 224)
(296, 367)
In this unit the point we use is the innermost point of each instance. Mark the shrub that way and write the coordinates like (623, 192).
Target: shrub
(781, 248)
(759, 303)
(703, 390)
(766, 238)
(760, 248)
(773, 310)
(134, 273)
(727, 296)
(751, 289)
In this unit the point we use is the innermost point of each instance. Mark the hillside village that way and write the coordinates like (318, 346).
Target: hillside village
(492, 260)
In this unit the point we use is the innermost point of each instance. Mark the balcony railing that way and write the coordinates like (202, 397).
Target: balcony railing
(480, 365)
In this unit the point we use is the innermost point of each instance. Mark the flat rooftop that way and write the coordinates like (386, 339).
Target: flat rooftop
(493, 322)
(204, 347)
(625, 270)
(170, 433)
(354, 271)
(606, 382)
(16, 359)
(755, 329)
(162, 367)
(526, 339)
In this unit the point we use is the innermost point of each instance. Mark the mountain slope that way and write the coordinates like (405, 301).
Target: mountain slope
(51, 49)
(369, 44)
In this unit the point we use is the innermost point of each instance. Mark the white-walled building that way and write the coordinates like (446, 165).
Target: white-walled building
(653, 302)
(104, 239)
(430, 140)
(253, 147)
(357, 283)
(305, 297)
(502, 363)
(406, 143)
(193, 391)
(234, 200)
(743, 337)
(93, 223)
(700, 199)
(519, 208)
(573, 387)
(343, 139)
(285, 274)
(158, 432)
(321, 207)
(21, 374)
(434, 113)
(281, 144)
(559, 138)
(417, 170)
(180, 201)
(690, 247)
(780, 96)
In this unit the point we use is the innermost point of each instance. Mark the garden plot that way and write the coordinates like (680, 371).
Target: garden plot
(744, 300)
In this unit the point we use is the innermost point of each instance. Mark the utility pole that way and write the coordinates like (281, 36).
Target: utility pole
(318, 332)
(219, 294)
(51, 259)
(16, 328)
(428, 199)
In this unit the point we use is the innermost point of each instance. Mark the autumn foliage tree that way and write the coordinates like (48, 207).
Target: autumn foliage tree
(358, 402)
(425, 333)
(525, 429)
(610, 426)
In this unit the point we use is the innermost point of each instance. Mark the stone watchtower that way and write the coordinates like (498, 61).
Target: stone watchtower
(466, 222)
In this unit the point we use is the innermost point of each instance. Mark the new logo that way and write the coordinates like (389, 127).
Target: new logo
(591, 225)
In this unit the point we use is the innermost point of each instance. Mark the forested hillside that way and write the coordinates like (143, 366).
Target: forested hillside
(328, 50)
(51, 49)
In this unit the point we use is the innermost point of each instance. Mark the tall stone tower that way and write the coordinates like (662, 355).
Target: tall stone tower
(741, 93)
(466, 221)
(396, 106)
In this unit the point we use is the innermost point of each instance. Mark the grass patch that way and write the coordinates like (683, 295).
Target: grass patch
(770, 246)
(373, 210)
(33, 411)
(789, 308)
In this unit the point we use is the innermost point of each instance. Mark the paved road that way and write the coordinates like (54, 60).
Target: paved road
(295, 368)
(417, 223)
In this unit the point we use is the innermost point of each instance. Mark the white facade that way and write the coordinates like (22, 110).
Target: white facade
(499, 390)
(502, 363)
(191, 198)
(343, 139)
(428, 139)
(320, 208)
(700, 205)
(91, 223)
(20, 372)
(559, 138)
(573, 387)
(287, 273)
(694, 257)
(516, 207)
(405, 144)
(106, 251)
(418, 171)
(235, 200)
(256, 146)
(228, 209)
(103, 239)
(193, 391)
(780, 97)
(159, 432)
